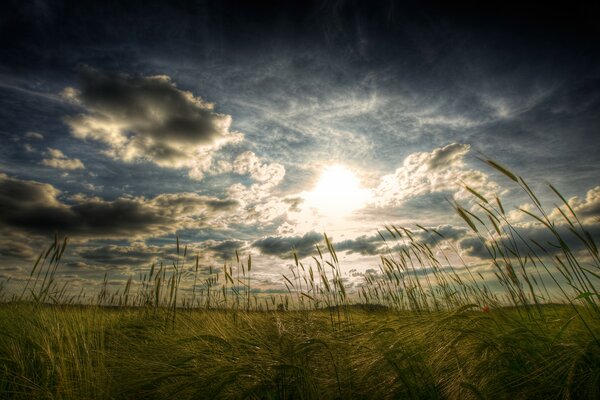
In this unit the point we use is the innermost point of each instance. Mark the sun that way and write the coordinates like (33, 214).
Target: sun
(337, 193)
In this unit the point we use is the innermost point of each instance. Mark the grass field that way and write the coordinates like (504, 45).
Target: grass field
(102, 353)
(444, 334)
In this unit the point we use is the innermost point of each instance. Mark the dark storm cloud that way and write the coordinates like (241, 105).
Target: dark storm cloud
(283, 246)
(187, 203)
(114, 255)
(547, 239)
(35, 207)
(148, 117)
(474, 247)
(152, 106)
(365, 245)
(225, 250)
(17, 248)
(439, 233)
(372, 245)
(16, 194)
(223, 204)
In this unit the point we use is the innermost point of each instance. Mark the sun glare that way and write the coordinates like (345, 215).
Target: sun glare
(337, 193)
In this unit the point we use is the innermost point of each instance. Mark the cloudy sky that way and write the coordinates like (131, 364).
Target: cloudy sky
(257, 126)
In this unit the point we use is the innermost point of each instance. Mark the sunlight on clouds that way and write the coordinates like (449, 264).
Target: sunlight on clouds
(337, 193)
(56, 159)
(339, 205)
(441, 170)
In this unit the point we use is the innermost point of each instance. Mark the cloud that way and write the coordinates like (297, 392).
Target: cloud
(248, 163)
(55, 153)
(225, 250)
(365, 245)
(372, 245)
(441, 170)
(148, 118)
(283, 246)
(475, 247)
(16, 193)
(587, 208)
(445, 156)
(258, 204)
(294, 203)
(187, 203)
(59, 161)
(444, 232)
(529, 230)
(16, 247)
(35, 207)
(113, 255)
(34, 135)
(92, 187)
(257, 197)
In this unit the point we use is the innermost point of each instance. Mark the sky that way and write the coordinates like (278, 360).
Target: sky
(259, 126)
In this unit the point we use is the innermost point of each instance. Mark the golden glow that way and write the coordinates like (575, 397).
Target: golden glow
(337, 193)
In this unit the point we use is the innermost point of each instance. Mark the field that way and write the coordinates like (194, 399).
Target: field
(102, 353)
(444, 334)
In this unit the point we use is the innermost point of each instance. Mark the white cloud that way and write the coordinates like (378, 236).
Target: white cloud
(587, 209)
(92, 187)
(442, 169)
(55, 153)
(34, 135)
(258, 198)
(56, 159)
(248, 163)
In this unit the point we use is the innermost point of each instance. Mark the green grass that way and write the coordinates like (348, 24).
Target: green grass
(531, 331)
(52, 352)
